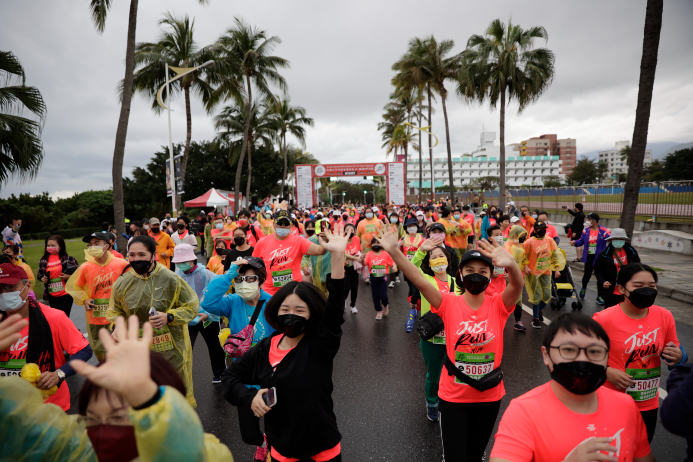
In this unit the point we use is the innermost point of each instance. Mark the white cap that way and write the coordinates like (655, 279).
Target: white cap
(514, 219)
(511, 203)
(419, 213)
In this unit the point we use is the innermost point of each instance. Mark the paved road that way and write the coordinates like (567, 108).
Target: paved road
(379, 385)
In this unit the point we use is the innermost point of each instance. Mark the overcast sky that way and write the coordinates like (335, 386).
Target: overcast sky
(341, 54)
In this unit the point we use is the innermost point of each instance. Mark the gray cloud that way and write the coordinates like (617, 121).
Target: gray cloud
(340, 54)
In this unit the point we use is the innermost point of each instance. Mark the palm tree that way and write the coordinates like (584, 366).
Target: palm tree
(250, 49)
(288, 119)
(648, 67)
(177, 47)
(231, 123)
(21, 149)
(505, 64)
(393, 117)
(99, 12)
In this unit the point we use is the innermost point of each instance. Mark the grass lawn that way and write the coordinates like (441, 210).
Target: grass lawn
(33, 254)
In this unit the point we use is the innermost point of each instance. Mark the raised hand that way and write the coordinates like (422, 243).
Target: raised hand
(387, 239)
(336, 243)
(429, 244)
(498, 254)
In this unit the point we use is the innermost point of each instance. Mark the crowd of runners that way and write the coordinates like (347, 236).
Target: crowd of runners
(270, 301)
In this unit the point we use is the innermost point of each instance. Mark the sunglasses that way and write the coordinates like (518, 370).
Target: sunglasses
(249, 278)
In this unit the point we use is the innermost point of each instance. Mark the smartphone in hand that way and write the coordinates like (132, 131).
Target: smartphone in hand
(270, 398)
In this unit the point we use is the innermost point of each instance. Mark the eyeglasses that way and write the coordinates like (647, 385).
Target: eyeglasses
(249, 278)
(593, 352)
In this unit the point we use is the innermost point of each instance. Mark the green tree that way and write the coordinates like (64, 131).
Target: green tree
(552, 181)
(588, 171)
(678, 166)
(504, 65)
(655, 171)
(175, 46)
(99, 11)
(21, 149)
(625, 154)
(648, 67)
(250, 49)
(288, 119)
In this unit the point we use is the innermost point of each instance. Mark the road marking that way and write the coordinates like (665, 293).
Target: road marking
(662, 392)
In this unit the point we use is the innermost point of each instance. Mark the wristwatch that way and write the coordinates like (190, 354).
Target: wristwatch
(169, 318)
(61, 376)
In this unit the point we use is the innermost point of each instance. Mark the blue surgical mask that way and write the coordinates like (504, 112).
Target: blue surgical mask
(12, 301)
(534, 215)
(183, 266)
(457, 216)
(618, 243)
(369, 215)
(219, 225)
(282, 232)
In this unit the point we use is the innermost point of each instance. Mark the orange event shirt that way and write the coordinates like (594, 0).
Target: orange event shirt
(282, 259)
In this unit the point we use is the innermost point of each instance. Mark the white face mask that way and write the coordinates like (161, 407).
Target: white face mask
(247, 290)
(499, 240)
(369, 215)
(282, 232)
(394, 220)
(439, 269)
(412, 229)
(12, 301)
(146, 227)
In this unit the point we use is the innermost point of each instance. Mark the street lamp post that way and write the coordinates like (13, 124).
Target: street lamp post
(364, 197)
(181, 72)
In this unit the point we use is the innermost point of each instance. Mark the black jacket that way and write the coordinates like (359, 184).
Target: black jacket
(578, 223)
(676, 411)
(302, 423)
(605, 268)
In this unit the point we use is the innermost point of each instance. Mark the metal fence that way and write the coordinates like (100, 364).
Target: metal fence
(672, 199)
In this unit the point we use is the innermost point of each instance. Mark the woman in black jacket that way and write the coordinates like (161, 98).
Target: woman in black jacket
(55, 268)
(577, 227)
(297, 362)
(607, 264)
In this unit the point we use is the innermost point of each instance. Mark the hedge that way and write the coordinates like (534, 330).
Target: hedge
(65, 233)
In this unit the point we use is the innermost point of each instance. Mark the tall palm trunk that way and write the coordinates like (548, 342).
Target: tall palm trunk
(447, 138)
(430, 145)
(501, 192)
(250, 173)
(186, 151)
(420, 153)
(246, 131)
(122, 131)
(283, 141)
(648, 67)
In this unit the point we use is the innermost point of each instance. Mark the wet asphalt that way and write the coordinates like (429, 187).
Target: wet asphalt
(379, 384)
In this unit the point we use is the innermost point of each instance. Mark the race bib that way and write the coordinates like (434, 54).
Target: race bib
(378, 270)
(475, 365)
(410, 254)
(543, 263)
(370, 228)
(646, 383)
(162, 340)
(100, 308)
(55, 285)
(282, 277)
(439, 338)
(11, 367)
(498, 270)
(592, 249)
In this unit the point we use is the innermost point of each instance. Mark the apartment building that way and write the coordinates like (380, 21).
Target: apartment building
(618, 165)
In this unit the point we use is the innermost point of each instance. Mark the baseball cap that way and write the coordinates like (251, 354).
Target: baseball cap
(419, 213)
(539, 224)
(282, 214)
(514, 219)
(593, 216)
(475, 255)
(182, 253)
(255, 262)
(99, 235)
(154, 221)
(438, 226)
(11, 273)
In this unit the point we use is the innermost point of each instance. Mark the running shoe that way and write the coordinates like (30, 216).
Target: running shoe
(368, 282)
(386, 310)
(261, 453)
(216, 380)
(432, 413)
(379, 316)
(397, 280)
(409, 326)
(354, 310)
(536, 324)
(583, 291)
(392, 284)
(541, 316)
(519, 326)
(600, 301)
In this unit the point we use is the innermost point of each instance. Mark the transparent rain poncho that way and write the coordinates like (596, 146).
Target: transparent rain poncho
(167, 293)
(95, 281)
(321, 265)
(542, 256)
(32, 431)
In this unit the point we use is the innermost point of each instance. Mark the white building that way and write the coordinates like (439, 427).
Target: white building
(485, 161)
(618, 165)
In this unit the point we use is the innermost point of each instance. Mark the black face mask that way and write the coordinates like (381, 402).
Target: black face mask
(579, 377)
(292, 325)
(522, 239)
(475, 283)
(376, 248)
(141, 266)
(181, 226)
(310, 232)
(239, 240)
(219, 250)
(541, 232)
(642, 298)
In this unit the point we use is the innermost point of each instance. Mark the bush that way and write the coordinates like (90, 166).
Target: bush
(66, 233)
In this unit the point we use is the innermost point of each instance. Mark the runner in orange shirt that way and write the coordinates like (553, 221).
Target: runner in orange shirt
(164, 243)
(456, 231)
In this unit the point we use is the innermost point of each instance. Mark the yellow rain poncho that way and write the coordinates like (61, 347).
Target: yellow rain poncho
(542, 257)
(94, 281)
(321, 265)
(169, 430)
(516, 250)
(167, 293)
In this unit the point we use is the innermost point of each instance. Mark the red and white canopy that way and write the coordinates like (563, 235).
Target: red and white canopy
(211, 198)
